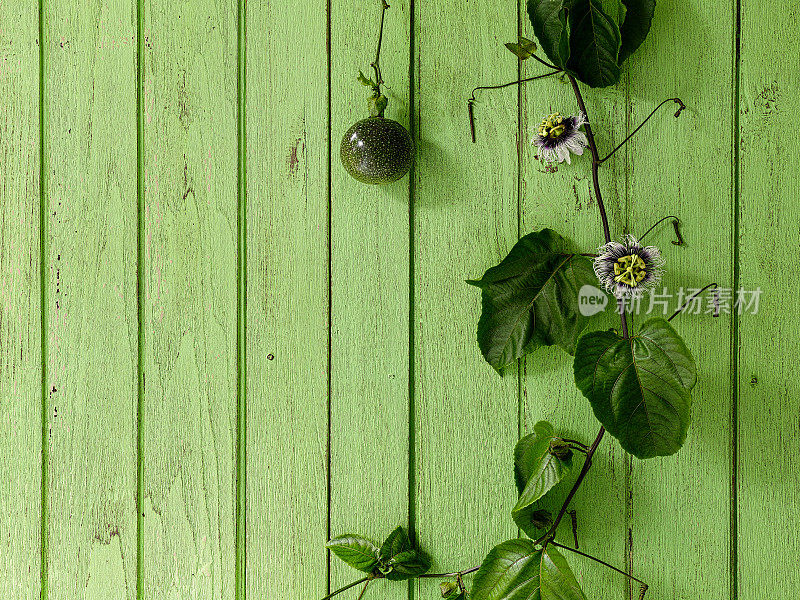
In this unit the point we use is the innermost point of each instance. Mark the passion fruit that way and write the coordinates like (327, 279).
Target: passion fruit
(377, 150)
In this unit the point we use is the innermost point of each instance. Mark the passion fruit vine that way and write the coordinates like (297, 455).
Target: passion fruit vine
(376, 149)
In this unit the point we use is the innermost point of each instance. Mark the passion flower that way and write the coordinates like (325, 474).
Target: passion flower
(558, 136)
(627, 269)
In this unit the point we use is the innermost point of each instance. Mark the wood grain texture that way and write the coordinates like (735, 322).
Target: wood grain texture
(565, 201)
(466, 208)
(369, 296)
(686, 553)
(769, 237)
(20, 354)
(91, 299)
(190, 254)
(287, 295)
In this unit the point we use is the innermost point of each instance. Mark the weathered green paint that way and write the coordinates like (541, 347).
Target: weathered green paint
(20, 308)
(768, 407)
(465, 415)
(367, 402)
(189, 297)
(90, 287)
(287, 300)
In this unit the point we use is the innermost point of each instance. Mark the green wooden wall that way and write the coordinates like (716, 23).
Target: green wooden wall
(217, 349)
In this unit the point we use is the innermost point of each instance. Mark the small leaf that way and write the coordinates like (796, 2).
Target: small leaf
(524, 49)
(407, 564)
(536, 470)
(364, 80)
(549, 20)
(639, 388)
(531, 299)
(519, 570)
(636, 26)
(395, 543)
(451, 591)
(533, 521)
(594, 43)
(358, 552)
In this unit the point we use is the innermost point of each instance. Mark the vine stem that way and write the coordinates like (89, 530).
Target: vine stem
(453, 574)
(367, 579)
(596, 162)
(376, 63)
(605, 564)
(364, 589)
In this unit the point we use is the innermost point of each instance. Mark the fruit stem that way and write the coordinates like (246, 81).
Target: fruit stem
(376, 63)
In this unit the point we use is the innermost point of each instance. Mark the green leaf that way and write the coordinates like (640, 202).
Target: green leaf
(549, 20)
(364, 80)
(358, 552)
(594, 43)
(636, 26)
(523, 49)
(519, 570)
(399, 559)
(639, 388)
(451, 591)
(531, 299)
(407, 564)
(533, 521)
(536, 471)
(395, 543)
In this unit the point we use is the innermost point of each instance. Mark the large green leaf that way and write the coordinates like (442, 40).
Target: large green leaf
(519, 570)
(358, 552)
(549, 20)
(531, 299)
(636, 26)
(639, 388)
(594, 42)
(537, 470)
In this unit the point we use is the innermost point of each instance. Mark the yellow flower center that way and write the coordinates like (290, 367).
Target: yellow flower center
(552, 126)
(630, 270)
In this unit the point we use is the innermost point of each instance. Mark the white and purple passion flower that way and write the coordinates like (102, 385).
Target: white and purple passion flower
(627, 269)
(558, 136)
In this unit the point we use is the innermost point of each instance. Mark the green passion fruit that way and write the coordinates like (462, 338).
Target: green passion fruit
(377, 150)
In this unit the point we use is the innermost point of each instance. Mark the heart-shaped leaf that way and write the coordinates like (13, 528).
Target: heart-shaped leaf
(594, 42)
(531, 299)
(636, 26)
(358, 552)
(549, 20)
(537, 470)
(519, 570)
(639, 388)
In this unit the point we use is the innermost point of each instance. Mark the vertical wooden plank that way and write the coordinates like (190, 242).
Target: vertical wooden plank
(565, 201)
(190, 154)
(20, 357)
(465, 220)
(684, 499)
(287, 299)
(369, 295)
(768, 389)
(91, 299)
